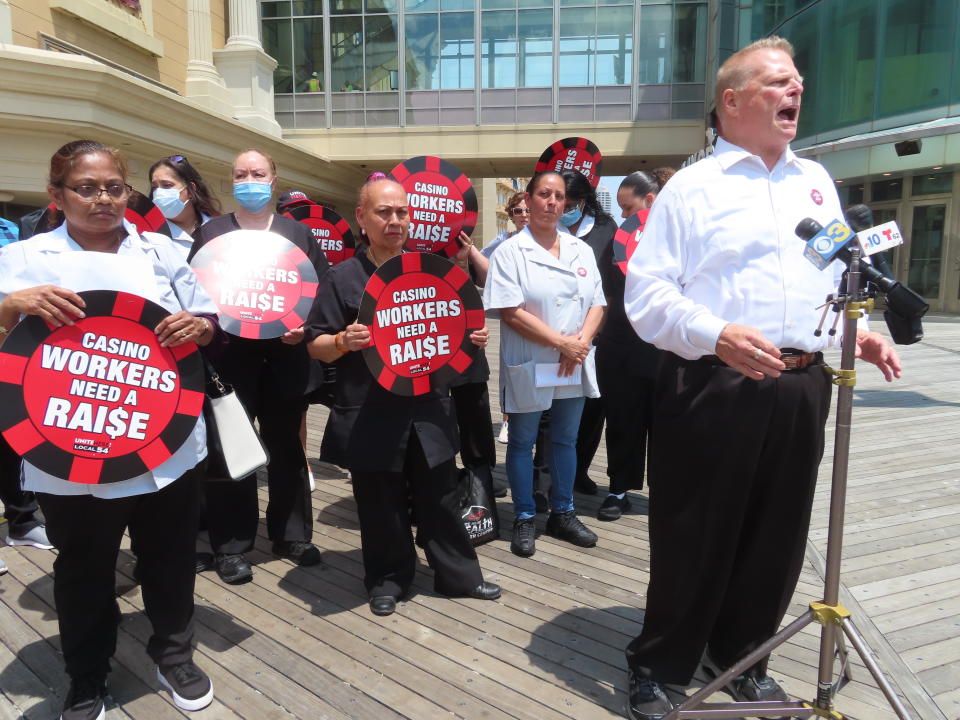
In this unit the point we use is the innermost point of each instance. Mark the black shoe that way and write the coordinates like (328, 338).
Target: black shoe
(567, 526)
(540, 501)
(204, 562)
(189, 685)
(646, 699)
(485, 591)
(585, 485)
(613, 507)
(524, 537)
(383, 604)
(233, 569)
(299, 551)
(85, 699)
(747, 688)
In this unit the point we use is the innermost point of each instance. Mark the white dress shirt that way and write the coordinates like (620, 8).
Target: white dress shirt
(36, 261)
(559, 292)
(719, 247)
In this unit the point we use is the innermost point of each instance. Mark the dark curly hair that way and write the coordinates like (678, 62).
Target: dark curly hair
(579, 189)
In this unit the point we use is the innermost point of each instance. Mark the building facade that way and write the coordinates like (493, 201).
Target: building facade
(877, 73)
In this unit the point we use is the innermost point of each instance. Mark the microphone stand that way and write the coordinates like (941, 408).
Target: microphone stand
(829, 613)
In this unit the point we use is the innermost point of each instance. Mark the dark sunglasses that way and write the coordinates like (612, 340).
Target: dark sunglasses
(520, 211)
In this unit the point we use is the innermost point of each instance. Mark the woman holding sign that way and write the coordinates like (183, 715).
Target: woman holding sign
(272, 377)
(547, 288)
(394, 445)
(86, 521)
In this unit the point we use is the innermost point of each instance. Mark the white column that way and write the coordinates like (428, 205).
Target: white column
(247, 70)
(204, 83)
(6, 23)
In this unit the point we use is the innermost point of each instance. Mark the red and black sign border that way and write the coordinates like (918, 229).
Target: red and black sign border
(560, 147)
(309, 284)
(27, 440)
(304, 212)
(431, 163)
(633, 225)
(440, 267)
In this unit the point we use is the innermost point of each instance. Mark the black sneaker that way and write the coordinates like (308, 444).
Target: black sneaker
(567, 526)
(233, 569)
(85, 699)
(299, 551)
(646, 699)
(189, 685)
(613, 507)
(585, 485)
(524, 537)
(747, 687)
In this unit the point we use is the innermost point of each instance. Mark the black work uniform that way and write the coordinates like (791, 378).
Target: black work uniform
(272, 380)
(394, 446)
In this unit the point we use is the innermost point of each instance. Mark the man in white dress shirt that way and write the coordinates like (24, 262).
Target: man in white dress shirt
(721, 283)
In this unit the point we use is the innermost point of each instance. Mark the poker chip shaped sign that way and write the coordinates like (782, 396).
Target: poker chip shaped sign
(98, 401)
(330, 231)
(263, 284)
(572, 153)
(442, 203)
(627, 238)
(420, 309)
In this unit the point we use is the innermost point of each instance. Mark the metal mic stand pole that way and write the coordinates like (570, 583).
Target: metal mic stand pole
(829, 613)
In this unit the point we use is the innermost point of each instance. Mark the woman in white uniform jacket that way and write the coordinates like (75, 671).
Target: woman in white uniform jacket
(546, 287)
(86, 522)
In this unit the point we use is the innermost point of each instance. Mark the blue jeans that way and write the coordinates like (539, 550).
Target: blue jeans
(561, 456)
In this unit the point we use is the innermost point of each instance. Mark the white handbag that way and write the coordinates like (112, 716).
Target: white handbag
(234, 449)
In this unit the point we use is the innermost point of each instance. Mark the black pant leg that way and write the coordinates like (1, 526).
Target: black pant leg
(589, 434)
(436, 501)
(389, 558)
(289, 511)
(19, 506)
(707, 436)
(86, 532)
(772, 545)
(165, 554)
(472, 404)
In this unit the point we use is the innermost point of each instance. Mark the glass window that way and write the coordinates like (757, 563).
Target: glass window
(615, 46)
(849, 49)
(346, 53)
(423, 52)
(380, 6)
(535, 3)
(926, 246)
(804, 32)
(275, 9)
(917, 55)
(886, 189)
(277, 42)
(535, 29)
(577, 45)
(340, 7)
(421, 5)
(850, 194)
(308, 54)
(380, 54)
(457, 4)
(308, 7)
(500, 4)
(933, 183)
(499, 51)
(690, 43)
(654, 45)
(456, 50)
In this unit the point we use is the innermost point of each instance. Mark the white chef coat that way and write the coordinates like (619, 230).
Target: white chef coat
(719, 247)
(183, 240)
(559, 292)
(35, 261)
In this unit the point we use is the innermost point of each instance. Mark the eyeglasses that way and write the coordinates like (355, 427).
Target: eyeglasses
(92, 193)
(520, 211)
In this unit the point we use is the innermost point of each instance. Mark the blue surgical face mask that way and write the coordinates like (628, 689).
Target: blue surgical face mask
(253, 196)
(169, 202)
(571, 216)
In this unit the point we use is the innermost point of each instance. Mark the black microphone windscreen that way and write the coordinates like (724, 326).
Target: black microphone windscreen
(859, 217)
(807, 228)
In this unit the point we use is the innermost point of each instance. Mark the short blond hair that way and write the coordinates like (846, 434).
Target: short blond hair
(735, 73)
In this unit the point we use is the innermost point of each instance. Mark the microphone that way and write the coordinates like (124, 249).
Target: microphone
(904, 306)
(860, 218)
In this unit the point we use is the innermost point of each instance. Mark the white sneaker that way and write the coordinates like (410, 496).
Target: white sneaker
(502, 437)
(3, 567)
(37, 537)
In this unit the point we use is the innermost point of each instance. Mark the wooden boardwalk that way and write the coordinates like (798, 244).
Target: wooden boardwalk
(301, 643)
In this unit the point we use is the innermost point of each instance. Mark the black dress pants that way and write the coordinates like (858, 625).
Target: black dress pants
(232, 507)
(389, 556)
(733, 468)
(19, 506)
(477, 449)
(626, 390)
(87, 532)
(589, 435)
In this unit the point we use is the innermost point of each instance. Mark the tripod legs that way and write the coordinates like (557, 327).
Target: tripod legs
(866, 655)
